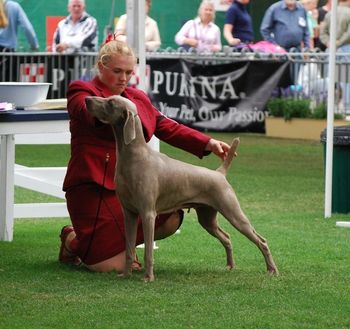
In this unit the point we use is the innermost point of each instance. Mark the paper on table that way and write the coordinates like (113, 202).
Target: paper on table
(50, 104)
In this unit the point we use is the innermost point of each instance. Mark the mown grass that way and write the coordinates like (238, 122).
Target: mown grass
(280, 186)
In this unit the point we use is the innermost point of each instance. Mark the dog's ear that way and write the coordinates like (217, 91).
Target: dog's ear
(129, 128)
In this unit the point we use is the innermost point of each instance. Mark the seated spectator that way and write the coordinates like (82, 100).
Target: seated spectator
(285, 24)
(12, 16)
(152, 36)
(238, 28)
(77, 32)
(201, 33)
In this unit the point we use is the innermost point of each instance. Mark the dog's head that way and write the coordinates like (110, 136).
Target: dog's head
(116, 111)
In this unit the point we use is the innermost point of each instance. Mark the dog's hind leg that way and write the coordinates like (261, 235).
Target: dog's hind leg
(232, 212)
(207, 217)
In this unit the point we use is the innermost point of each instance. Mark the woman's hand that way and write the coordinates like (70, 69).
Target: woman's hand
(191, 42)
(219, 148)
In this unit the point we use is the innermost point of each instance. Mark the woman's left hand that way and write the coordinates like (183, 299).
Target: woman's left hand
(219, 148)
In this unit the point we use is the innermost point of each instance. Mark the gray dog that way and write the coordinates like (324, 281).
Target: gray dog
(165, 185)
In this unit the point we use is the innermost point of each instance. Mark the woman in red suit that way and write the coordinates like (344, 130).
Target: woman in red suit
(96, 236)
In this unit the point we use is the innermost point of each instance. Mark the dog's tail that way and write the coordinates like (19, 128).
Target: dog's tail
(231, 154)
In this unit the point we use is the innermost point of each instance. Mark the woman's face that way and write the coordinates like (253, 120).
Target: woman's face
(116, 73)
(206, 13)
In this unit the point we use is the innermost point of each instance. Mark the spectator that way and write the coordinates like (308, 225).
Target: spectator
(97, 236)
(238, 28)
(312, 15)
(12, 16)
(285, 24)
(152, 36)
(201, 33)
(342, 44)
(343, 26)
(322, 11)
(77, 32)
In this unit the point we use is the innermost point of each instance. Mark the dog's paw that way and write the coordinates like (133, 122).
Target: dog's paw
(148, 278)
(230, 267)
(273, 271)
(125, 274)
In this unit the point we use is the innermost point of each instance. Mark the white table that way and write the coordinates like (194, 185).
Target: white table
(24, 122)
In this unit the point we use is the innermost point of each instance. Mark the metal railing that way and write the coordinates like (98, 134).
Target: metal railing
(47, 67)
(309, 71)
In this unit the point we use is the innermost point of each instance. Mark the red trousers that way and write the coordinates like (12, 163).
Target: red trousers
(98, 221)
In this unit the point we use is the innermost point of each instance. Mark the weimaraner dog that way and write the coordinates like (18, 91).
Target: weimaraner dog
(149, 183)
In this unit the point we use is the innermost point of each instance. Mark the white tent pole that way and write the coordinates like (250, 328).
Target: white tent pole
(330, 112)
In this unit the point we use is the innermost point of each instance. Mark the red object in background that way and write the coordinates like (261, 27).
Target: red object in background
(51, 24)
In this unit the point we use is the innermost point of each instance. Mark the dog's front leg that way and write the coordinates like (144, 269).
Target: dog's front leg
(130, 240)
(148, 222)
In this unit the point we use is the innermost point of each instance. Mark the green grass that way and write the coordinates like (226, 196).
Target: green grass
(280, 186)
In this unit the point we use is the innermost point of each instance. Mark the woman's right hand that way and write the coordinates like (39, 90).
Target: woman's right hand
(191, 42)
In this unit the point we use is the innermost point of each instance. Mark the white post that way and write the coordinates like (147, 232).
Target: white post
(330, 113)
(135, 10)
(7, 164)
(135, 32)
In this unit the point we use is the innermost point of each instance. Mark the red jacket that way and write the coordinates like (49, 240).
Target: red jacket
(92, 140)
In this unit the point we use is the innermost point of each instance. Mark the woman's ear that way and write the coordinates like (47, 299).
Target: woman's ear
(99, 65)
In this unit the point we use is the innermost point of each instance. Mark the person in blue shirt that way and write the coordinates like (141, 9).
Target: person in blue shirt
(285, 24)
(238, 27)
(15, 17)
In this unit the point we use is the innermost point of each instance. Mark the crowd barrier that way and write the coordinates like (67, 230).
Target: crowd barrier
(46, 67)
(308, 71)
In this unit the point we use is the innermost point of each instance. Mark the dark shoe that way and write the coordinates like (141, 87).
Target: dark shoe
(66, 256)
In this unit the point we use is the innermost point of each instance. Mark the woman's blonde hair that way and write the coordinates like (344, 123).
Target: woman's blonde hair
(3, 17)
(112, 48)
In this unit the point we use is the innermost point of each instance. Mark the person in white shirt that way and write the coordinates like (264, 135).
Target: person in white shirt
(201, 33)
(152, 36)
(77, 32)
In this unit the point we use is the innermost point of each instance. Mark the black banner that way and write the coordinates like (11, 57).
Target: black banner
(224, 97)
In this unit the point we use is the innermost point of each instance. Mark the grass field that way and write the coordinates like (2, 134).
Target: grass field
(280, 186)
